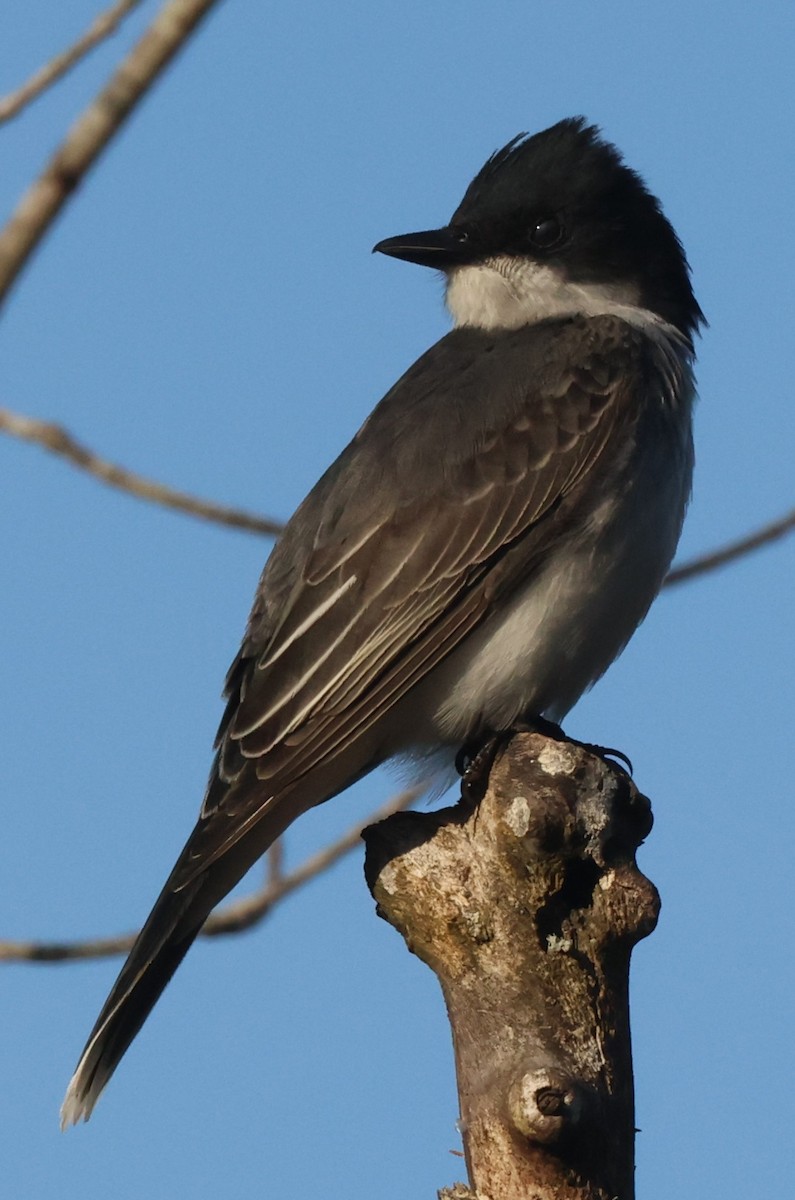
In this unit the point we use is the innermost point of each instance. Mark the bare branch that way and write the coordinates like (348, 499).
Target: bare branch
(59, 441)
(234, 917)
(101, 28)
(733, 550)
(88, 137)
(526, 901)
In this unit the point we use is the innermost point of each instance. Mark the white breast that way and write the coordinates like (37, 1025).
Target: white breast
(563, 629)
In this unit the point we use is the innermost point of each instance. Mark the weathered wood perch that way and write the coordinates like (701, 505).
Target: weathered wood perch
(527, 906)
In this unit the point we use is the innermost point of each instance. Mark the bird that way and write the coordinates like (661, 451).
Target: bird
(484, 547)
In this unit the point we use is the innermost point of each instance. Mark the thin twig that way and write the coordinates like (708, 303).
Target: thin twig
(38, 207)
(732, 550)
(101, 28)
(274, 863)
(242, 914)
(235, 917)
(59, 441)
(92, 131)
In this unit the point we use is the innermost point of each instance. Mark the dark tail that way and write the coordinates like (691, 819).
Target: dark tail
(160, 947)
(197, 883)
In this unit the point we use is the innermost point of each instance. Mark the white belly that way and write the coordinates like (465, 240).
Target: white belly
(560, 632)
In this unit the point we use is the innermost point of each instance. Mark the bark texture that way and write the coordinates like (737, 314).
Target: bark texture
(526, 905)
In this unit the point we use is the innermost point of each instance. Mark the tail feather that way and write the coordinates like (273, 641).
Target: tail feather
(159, 949)
(177, 917)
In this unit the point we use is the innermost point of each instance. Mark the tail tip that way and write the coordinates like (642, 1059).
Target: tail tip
(78, 1104)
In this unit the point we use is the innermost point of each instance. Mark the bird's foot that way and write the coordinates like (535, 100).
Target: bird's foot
(550, 729)
(477, 756)
(624, 762)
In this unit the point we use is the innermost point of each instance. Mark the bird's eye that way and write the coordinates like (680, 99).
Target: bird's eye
(460, 235)
(546, 233)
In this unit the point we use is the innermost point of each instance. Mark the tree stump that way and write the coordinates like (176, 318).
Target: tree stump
(526, 906)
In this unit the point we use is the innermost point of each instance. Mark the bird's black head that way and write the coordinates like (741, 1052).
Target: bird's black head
(556, 222)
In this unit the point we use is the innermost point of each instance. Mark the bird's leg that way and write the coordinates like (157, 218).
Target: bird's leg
(475, 760)
(477, 756)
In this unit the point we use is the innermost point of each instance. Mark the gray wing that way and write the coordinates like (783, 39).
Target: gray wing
(435, 510)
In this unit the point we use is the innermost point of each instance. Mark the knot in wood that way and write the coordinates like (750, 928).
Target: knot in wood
(545, 1105)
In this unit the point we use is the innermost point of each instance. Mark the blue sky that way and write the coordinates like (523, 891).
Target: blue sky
(207, 311)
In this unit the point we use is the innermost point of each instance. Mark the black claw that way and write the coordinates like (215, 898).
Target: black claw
(624, 762)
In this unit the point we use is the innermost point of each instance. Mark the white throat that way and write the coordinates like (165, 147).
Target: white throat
(506, 292)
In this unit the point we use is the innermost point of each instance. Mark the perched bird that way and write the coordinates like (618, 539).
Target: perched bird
(484, 547)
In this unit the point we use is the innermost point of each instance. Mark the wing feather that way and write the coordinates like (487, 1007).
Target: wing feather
(399, 551)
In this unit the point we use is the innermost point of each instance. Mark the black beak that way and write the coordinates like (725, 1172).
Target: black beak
(439, 248)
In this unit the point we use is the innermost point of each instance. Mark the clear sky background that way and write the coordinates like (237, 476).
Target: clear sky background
(208, 312)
